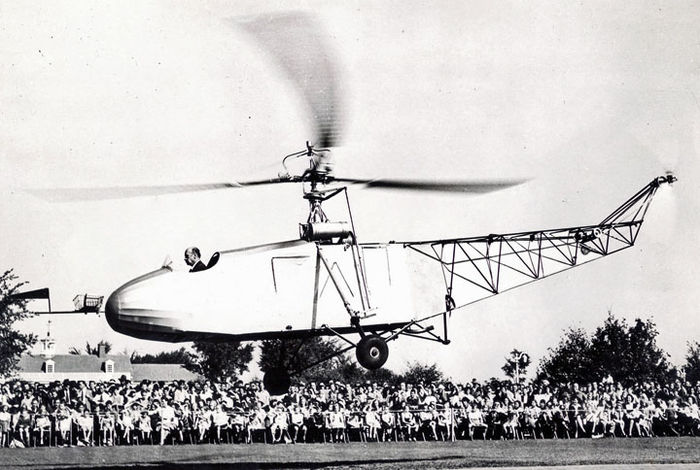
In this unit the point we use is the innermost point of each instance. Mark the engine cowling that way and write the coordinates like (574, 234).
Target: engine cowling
(324, 231)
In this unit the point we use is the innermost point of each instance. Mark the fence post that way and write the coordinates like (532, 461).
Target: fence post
(452, 424)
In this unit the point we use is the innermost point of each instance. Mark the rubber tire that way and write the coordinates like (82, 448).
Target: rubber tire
(277, 381)
(372, 352)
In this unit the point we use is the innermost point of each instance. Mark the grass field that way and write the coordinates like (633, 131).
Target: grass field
(411, 455)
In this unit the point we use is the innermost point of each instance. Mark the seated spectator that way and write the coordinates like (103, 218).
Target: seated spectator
(545, 421)
(617, 417)
(125, 425)
(336, 423)
(279, 424)
(476, 422)
(355, 424)
(86, 425)
(64, 422)
(298, 425)
(237, 426)
(145, 427)
(592, 417)
(577, 415)
(107, 423)
(444, 422)
(646, 420)
(462, 419)
(388, 411)
(688, 417)
(511, 426)
(408, 425)
(23, 426)
(562, 425)
(256, 422)
(499, 416)
(388, 425)
(428, 423)
(632, 416)
(372, 422)
(220, 421)
(42, 425)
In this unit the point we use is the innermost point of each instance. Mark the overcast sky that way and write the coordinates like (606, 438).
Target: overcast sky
(591, 100)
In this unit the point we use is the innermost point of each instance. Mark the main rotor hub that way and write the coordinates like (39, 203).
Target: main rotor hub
(319, 170)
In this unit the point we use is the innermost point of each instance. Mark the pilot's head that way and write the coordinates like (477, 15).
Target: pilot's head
(192, 255)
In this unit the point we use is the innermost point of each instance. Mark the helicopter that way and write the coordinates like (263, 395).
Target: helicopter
(327, 282)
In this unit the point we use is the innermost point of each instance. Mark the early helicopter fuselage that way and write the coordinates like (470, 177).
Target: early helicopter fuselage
(280, 289)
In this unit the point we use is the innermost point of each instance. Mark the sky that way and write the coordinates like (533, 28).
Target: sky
(589, 101)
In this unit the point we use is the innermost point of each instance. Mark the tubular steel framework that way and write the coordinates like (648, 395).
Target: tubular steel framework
(476, 268)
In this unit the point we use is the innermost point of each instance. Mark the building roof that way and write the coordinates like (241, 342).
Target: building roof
(161, 372)
(75, 363)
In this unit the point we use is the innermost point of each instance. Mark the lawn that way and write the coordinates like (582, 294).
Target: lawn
(372, 455)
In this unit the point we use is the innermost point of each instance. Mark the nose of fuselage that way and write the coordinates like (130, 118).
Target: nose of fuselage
(125, 310)
(136, 309)
(112, 311)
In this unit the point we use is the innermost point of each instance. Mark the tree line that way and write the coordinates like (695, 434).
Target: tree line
(626, 353)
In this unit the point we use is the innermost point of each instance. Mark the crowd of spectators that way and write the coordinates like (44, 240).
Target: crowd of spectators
(137, 413)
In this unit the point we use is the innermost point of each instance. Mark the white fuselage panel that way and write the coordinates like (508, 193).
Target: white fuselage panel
(273, 288)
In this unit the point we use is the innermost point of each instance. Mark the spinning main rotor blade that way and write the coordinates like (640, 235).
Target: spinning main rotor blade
(475, 186)
(119, 192)
(298, 43)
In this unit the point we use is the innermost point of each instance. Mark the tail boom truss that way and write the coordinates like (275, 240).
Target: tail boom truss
(476, 268)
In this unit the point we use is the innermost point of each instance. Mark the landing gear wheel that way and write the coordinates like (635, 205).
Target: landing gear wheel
(372, 352)
(277, 381)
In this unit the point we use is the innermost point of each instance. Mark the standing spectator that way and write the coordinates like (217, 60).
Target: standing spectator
(261, 394)
(413, 401)
(5, 424)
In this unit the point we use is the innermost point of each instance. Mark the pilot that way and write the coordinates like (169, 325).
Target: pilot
(192, 258)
